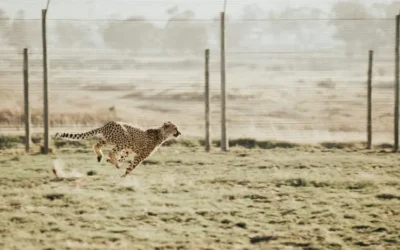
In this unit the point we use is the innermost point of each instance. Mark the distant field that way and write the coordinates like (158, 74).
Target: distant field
(295, 97)
(183, 198)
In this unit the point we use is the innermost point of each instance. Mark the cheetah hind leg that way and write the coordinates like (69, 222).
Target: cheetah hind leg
(97, 149)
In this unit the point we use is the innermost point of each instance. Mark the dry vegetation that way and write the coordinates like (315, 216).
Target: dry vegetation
(286, 197)
(297, 175)
(264, 194)
(320, 97)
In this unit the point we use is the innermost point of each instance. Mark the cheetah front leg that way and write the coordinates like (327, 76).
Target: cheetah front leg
(133, 164)
(97, 149)
(124, 153)
(122, 157)
(111, 155)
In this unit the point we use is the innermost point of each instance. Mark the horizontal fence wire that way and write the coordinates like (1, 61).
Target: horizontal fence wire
(288, 77)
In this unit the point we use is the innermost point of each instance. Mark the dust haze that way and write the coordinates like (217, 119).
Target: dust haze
(295, 71)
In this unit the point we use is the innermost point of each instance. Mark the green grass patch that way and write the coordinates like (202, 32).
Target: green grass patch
(12, 141)
(343, 145)
(70, 144)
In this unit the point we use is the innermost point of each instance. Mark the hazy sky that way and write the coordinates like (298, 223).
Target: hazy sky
(151, 9)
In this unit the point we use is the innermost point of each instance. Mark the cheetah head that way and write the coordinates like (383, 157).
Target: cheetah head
(170, 129)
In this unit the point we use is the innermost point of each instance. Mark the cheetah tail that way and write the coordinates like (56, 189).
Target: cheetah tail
(79, 136)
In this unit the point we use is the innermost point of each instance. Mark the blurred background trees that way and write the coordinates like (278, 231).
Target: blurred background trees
(352, 25)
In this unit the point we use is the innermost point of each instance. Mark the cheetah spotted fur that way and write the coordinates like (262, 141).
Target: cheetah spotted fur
(127, 139)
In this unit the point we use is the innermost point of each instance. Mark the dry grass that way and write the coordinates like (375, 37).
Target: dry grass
(267, 99)
(184, 198)
(11, 117)
(16, 142)
(192, 96)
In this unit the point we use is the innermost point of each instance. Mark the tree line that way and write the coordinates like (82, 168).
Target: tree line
(181, 31)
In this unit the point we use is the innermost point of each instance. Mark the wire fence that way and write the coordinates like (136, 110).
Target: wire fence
(288, 78)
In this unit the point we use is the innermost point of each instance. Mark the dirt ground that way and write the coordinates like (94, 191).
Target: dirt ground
(185, 198)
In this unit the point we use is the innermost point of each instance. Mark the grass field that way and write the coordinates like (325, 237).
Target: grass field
(304, 197)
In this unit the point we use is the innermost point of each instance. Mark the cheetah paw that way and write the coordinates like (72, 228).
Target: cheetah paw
(99, 158)
(116, 165)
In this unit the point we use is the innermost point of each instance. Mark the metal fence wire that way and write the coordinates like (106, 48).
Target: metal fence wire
(297, 73)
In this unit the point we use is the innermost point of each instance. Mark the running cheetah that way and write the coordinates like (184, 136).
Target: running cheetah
(126, 139)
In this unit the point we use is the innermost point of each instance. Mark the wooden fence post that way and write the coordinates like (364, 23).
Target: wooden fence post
(224, 139)
(396, 82)
(27, 115)
(45, 87)
(369, 108)
(207, 100)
